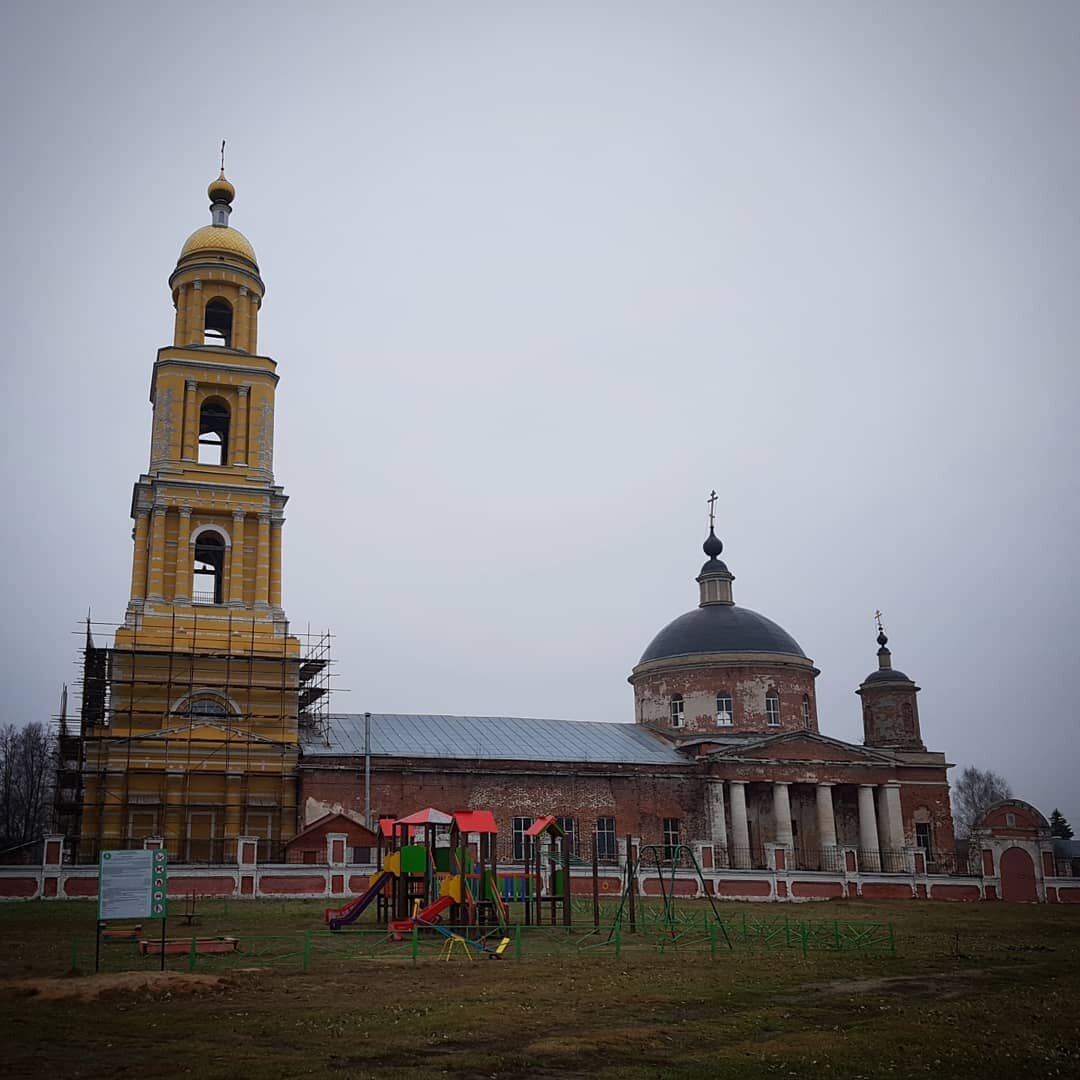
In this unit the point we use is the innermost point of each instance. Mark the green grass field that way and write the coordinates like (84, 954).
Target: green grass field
(971, 990)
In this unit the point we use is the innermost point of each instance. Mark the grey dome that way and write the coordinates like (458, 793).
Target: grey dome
(886, 675)
(718, 628)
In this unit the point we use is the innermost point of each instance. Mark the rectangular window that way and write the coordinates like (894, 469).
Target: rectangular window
(141, 824)
(520, 826)
(922, 836)
(202, 837)
(569, 826)
(772, 709)
(606, 845)
(677, 713)
(724, 715)
(671, 836)
(362, 856)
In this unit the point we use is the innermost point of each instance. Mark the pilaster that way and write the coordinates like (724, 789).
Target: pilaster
(262, 563)
(191, 435)
(156, 575)
(236, 566)
(184, 559)
(140, 554)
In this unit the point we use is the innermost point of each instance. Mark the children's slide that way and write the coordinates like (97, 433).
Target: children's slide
(425, 918)
(336, 918)
(433, 911)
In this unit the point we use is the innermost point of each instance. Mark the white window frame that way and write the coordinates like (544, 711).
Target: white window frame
(677, 709)
(772, 715)
(569, 826)
(518, 828)
(721, 720)
(672, 829)
(608, 847)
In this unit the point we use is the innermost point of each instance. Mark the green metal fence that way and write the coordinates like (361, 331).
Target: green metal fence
(697, 934)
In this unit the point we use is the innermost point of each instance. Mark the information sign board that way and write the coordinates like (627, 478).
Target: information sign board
(133, 884)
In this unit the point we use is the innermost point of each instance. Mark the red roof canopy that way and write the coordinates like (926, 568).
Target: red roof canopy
(545, 824)
(478, 821)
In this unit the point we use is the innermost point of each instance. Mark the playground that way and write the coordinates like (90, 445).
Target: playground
(959, 979)
(445, 963)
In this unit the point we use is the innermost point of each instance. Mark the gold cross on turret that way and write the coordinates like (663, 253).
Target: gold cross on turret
(877, 615)
(712, 508)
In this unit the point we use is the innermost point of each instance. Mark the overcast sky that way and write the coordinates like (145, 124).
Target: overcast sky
(539, 277)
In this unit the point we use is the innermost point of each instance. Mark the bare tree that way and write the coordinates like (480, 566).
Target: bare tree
(25, 778)
(973, 793)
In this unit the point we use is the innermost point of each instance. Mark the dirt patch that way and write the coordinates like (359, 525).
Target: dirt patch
(944, 985)
(92, 987)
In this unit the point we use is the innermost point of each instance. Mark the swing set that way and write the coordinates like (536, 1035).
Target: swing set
(665, 860)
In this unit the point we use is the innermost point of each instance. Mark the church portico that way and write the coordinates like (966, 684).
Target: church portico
(813, 820)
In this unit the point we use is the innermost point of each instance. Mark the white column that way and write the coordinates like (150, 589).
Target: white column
(781, 802)
(894, 817)
(826, 819)
(714, 809)
(740, 829)
(868, 837)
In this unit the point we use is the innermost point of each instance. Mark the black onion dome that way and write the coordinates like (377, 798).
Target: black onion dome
(713, 546)
(720, 628)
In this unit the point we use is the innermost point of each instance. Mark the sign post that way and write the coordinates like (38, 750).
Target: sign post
(133, 885)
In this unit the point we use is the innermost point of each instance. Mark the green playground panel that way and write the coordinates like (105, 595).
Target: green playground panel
(414, 859)
(442, 860)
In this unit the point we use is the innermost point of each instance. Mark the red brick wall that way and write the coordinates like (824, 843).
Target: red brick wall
(934, 799)
(278, 884)
(817, 890)
(954, 892)
(747, 685)
(638, 798)
(200, 886)
(18, 887)
(890, 716)
(80, 886)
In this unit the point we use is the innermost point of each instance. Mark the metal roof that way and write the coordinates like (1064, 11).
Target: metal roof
(491, 738)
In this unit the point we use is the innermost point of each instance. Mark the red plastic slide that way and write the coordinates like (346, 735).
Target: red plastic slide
(433, 911)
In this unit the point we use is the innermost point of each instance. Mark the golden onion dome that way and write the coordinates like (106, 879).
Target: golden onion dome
(220, 190)
(219, 239)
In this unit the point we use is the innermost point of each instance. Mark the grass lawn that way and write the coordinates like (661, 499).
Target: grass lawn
(972, 990)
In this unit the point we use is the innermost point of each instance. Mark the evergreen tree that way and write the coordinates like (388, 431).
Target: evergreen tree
(1059, 826)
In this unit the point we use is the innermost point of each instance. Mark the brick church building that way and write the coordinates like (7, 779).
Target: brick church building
(724, 750)
(204, 726)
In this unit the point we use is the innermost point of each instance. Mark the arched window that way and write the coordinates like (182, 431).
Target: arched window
(677, 710)
(772, 709)
(207, 707)
(807, 715)
(217, 328)
(214, 432)
(724, 715)
(209, 570)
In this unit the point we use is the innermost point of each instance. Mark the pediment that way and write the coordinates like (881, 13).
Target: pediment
(205, 733)
(802, 746)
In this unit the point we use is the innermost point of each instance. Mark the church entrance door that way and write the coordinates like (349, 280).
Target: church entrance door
(1018, 876)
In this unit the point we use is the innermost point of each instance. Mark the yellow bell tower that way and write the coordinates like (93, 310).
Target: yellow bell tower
(194, 739)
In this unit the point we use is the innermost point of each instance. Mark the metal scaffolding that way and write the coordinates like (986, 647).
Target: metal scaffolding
(140, 688)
